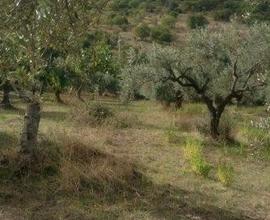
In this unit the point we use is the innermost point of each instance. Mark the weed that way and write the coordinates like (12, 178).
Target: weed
(193, 154)
(173, 137)
(100, 112)
(124, 120)
(225, 173)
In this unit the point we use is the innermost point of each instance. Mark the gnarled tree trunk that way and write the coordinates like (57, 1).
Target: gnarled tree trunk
(214, 124)
(6, 98)
(79, 94)
(30, 128)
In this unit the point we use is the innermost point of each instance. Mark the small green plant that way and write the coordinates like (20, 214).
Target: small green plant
(142, 31)
(197, 21)
(172, 137)
(100, 112)
(161, 34)
(225, 174)
(193, 154)
(119, 20)
(223, 15)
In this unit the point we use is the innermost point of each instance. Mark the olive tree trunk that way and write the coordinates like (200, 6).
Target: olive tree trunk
(215, 112)
(79, 94)
(214, 124)
(30, 128)
(6, 98)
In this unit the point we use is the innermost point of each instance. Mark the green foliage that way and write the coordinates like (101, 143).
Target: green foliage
(260, 11)
(225, 174)
(168, 93)
(142, 31)
(227, 128)
(201, 5)
(100, 112)
(223, 15)
(161, 34)
(95, 68)
(173, 137)
(193, 154)
(197, 21)
(120, 20)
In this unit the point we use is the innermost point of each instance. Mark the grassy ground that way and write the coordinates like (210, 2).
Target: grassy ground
(133, 166)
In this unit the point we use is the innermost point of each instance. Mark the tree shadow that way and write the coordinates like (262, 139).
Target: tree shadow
(169, 202)
(105, 200)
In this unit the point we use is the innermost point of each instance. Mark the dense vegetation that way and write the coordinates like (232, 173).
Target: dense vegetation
(129, 105)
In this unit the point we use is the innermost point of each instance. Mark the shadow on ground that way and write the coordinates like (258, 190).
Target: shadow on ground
(45, 201)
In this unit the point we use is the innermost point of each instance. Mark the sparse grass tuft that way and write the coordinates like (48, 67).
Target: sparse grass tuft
(225, 174)
(85, 168)
(123, 120)
(100, 113)
(173, 137)
(193, 154)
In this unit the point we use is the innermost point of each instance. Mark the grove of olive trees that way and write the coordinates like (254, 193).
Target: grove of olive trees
(133, 109)
(220, 66)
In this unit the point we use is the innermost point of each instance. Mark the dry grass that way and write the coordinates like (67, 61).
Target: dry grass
(127, 172)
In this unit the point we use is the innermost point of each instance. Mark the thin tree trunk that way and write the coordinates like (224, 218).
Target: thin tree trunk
(179, 100)
(58, 97)
(79, 94)
(29, 134)
(6, 98)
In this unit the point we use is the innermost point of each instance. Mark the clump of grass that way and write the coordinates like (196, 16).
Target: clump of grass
(227, 129)
(72, 165)
(225, 174)
(186, 123)
(100, 112)
(173, 137)
(123, 120)
(192, 109)
(94, 115)
(193, 154)
(86, 168)
(258, 141)
(43, 162)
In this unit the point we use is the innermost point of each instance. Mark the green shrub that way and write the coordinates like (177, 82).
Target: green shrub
(223, 15)
(120, 5)
(161, 34)
(227, 128)
(261, 11)
(124, 120)
(193, 154)
(173, 137)
(204, 5)
(142, 31)
(166, 93)
(197, 21)
(100, 112)
(225, 174)
(119, 20)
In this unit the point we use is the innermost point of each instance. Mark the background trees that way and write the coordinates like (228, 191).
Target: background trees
(220, 66)
(43, 33)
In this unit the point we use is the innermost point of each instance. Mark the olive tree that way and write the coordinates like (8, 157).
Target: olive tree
(34, 25)
(219, 65)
